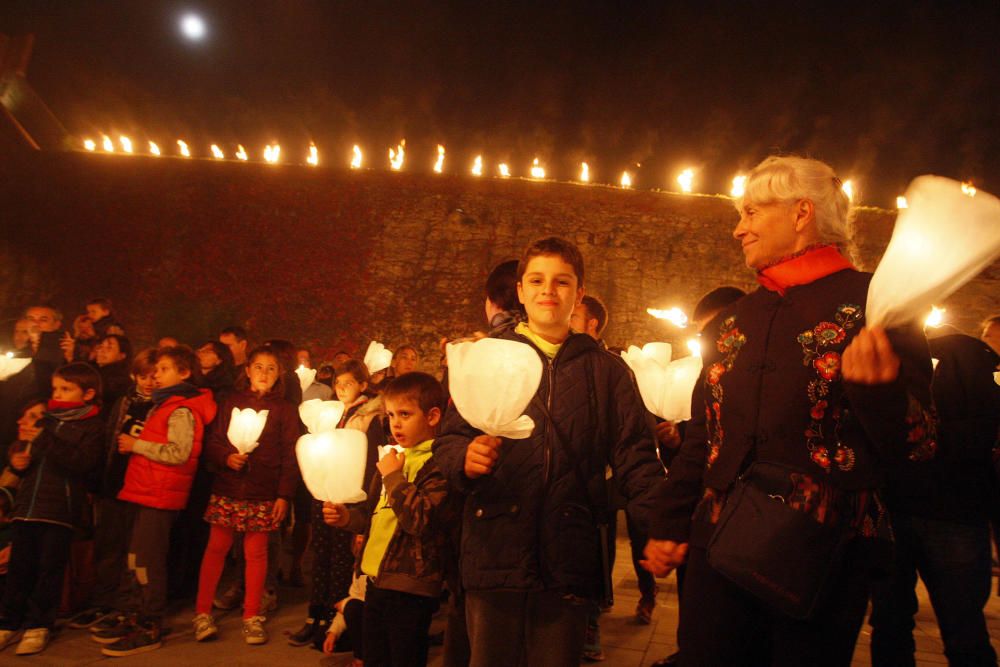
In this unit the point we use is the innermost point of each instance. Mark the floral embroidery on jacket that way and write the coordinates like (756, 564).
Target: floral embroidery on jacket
(826, 363)
(731, 339)
(921, 432)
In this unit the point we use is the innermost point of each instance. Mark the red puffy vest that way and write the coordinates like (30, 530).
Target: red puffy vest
(162, 486)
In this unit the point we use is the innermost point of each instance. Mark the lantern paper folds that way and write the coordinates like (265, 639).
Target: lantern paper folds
(321, 416)
(942, 240)
(10, 366)
(665, 386)
(306, 377)
(377, 357)
(332, 464)
(492, 381)
(245, 428)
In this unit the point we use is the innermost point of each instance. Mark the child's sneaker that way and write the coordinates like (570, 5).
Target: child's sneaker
(123, 627)
(204, 627)
(231, 599)
(8, 637)
(33, 641)
(253, 630)
(89, 617)
(144, 637)
(112, 620)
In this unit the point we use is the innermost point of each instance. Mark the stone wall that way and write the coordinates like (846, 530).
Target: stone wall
(332, 258)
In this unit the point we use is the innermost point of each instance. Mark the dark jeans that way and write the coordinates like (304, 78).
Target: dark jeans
(953, 559)
(720, 624)
(111, 536)
(146, 577)
(537, 629)
(395, 628)
(38, 556)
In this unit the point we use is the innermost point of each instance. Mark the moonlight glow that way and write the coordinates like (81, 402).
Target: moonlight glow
(193, 27)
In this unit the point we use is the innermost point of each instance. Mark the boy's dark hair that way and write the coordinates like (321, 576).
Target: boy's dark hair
(501, 285)
(84, 376)
(124, 344)
(716, 300)
(553, 245)
(144, 363)
(596, 310)
(222, 351)
(239, 332)
(184, 359)
(421, 388)
(355, 368)
(243, 381)
(101, 301)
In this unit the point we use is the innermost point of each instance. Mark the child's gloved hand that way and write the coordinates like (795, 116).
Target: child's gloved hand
(481, 455)
(390, 463)
(237, 461)
(335, 514)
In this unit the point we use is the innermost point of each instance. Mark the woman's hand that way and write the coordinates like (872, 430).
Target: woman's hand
(870, 359)
(662, 556)
(280, 511)
(237, 461)
(335, 514)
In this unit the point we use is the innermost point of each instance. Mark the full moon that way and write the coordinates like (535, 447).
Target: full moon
(193, 27)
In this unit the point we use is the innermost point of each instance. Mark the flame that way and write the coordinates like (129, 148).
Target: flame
(241, 153)
(356, 160)
(968, 189)
(537, 171)
(901, 202)
(272, 153)
(440, 160)
(397, 156)
(739, 186)
(504, 170)
(686, 180)
(184, 148)
(673, 315)
(107, 144)
(694, 345)
(88, 144)
(848, 188)
(935, 318)
(126, 143)
(477, 166)
(626, 180)
(153, 148)
(313, 158)
(584, 172)
(217, 152)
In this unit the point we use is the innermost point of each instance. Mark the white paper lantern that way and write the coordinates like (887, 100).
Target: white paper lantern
(306, 377)
(9, 366)
(377, 357)
(491, 382)
(943, 239)
(245, 428)
(332, 464)
(320, 416)
(682, 375)
(665, 386)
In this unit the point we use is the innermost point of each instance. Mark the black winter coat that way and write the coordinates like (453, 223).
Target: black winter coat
(532, 523)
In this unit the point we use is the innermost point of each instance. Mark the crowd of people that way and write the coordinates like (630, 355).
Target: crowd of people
(826, 463)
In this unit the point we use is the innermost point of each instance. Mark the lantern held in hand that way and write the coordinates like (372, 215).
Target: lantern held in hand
(245, 428)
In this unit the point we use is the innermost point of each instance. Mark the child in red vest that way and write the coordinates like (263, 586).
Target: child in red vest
(157, 484)
(251, 492)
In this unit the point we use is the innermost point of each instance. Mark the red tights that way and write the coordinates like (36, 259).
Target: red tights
(220, 540)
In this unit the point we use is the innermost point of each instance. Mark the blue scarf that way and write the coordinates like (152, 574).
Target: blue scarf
(182, 389)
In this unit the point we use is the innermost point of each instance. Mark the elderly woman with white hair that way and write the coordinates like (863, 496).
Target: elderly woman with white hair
(772, 501)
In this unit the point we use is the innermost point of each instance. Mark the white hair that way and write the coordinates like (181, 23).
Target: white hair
(789, 178)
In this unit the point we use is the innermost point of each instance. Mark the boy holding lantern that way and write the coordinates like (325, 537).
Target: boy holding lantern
(405, 527)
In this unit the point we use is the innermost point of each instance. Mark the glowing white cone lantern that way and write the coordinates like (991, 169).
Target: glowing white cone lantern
(492, 381)
(320, 416)
(331, 460)
(665, 386)
(942, 240)
(377, 357)
(682, 375)
(306, 377)
(10, 366)
(245, 428)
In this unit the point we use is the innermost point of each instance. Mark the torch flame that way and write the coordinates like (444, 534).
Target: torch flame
(537, 171)
(935, 318)
(626, 180)
(397, 156)
(694, 345)
(313, 158)
(88, 144)
(739, 186)
(686, 180)
(584, 172)
(108, 145)
(272, 153)
(185, 151)
(968, 189)
(848, 188)
(356, 160)
(241, 153)
(901, 202)
(673, 315)
(477, 166)
(153, 148)
(217, 152)
(504, 170)
(126, 143)
(440, 160)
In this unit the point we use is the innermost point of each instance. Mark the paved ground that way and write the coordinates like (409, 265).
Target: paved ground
(626, 643)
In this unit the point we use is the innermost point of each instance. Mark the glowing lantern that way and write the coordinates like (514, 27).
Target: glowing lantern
(185, 151)
(377, 357)
(306, 377)
(126, 143)
(935, 318)
(665, 386)
(584, 172)
(217, 152)
(88, 144)
(492, 381)
(272, 153)
(626, 180)
(313, 158)
(968, 189)
(901, 202)
(153, 148)
(940, 242)
(686, 180)
(320, 416)
(10, 366)
(694, 346)
(504, 170)
(356, 160)
(848, 188)
(245, 428)
(241, 153)
(673, 315)
(477, 166)
(332, 464)
(397, 156)
(739, 186)
(439, 165)
(107, 144)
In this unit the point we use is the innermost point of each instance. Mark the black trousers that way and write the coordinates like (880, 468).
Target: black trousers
(395, 628)
(720, 624)
(38, 556)
(112, 530)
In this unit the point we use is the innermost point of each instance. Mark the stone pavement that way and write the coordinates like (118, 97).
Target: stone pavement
(626, 643)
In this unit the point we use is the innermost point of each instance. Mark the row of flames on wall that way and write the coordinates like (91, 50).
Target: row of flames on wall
(397, 157)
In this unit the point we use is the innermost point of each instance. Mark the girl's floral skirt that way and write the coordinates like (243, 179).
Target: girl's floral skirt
(241, 515)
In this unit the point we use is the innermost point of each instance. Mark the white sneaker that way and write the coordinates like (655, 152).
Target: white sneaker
(253, 630)
(34, 641)
(204, 627)
(8, 637)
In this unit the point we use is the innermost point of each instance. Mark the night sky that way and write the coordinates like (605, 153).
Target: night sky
(883, 91)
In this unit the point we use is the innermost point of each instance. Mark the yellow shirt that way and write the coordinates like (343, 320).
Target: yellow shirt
(550, 350)
(384, 519)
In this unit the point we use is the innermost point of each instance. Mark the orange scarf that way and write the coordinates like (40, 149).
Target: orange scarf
(802, 268)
